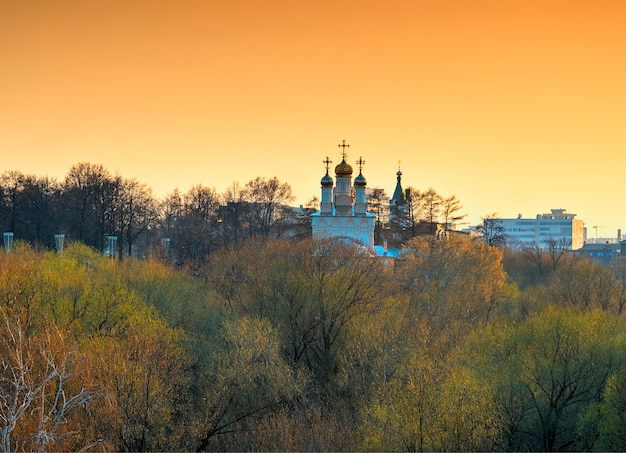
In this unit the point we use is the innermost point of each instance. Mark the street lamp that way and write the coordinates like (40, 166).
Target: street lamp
(8, 241)
(58, 242)
(166, 244)
(112, 243)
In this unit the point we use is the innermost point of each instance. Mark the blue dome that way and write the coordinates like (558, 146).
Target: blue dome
(327, 181)
(360, 181)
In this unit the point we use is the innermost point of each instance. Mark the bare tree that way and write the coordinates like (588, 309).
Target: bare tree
(492, 229)
(376, 206)
(432, 204)
(195, 232)
(266, 198)
(557, 248)
(135, 212)
(38, 220)
(88, 196)
(201, 202)
(36, 395)
(450, 208)
(234, 215)
(12, 186)
(27, 206)
(536, 256)
(171, 210)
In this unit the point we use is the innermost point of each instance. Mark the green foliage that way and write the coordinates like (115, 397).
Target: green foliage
(130, 359)
(250, 378)
(545, 372)
(454, 284)
(141, 374)
(309, 294)
(278, 345)
(603, 428)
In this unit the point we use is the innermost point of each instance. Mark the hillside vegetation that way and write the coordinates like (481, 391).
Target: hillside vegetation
(294, 345)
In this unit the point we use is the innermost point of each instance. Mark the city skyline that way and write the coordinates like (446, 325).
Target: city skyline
(513, 107)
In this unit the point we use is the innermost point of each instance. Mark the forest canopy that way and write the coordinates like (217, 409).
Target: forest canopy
(241, 333)
(299, 345)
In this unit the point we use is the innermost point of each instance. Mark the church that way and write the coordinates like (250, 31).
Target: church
(343, 208)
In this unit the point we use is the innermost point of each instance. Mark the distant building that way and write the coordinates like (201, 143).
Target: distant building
(607, 253)
(558, 225)
(343, 209)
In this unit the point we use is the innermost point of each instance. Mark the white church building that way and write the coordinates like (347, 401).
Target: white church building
(343, 208)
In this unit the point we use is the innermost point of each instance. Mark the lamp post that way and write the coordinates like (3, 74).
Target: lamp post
(58, 242)
(112, 245)
(166, 244)
(8, 241)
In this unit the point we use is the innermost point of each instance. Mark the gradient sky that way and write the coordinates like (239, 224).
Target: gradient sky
(515, 107)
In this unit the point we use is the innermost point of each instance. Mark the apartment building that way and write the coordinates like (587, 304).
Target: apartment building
(558, 224)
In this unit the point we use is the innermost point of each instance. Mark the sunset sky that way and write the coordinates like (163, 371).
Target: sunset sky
(515, 107)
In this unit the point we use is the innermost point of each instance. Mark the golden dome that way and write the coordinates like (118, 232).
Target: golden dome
(343, 170)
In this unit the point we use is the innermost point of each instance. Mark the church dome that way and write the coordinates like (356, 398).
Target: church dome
(326, 181)
(360, 181)
(343, 170)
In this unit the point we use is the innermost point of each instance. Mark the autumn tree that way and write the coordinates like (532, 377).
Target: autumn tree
(449, 287)
(587, 286)
(38, 396)
(141, 376)
(456, 284)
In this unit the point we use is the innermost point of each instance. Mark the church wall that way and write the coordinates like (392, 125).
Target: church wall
(339, 219)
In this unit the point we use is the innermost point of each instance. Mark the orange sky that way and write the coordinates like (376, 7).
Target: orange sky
(512, 106)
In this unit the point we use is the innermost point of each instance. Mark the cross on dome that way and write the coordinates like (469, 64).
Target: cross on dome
(360, 163)
(343, 145)
(327, 163)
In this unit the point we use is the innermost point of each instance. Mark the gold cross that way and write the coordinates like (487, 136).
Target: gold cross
(343, 145)
(327, 162)
(360, 163)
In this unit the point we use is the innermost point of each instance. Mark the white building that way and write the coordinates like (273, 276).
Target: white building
(558, 225)
(343, 209)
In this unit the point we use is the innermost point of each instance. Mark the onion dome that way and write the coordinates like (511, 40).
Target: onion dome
(360, 181)
(343, 170)
(326, 181)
